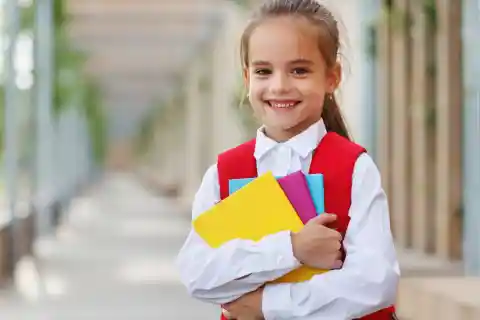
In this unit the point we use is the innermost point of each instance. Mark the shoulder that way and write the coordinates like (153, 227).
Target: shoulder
(245, 148)
(366, 171)
(229, 159)
(337, 143)
(336, 153)
(211, 172)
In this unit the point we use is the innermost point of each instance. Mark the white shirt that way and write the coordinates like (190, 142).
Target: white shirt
(367, 281)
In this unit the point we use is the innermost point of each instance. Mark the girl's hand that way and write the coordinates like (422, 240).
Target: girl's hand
(247, 307)
(227, 314)
(317, 245)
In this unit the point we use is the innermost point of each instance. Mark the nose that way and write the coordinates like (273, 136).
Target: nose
(279, 83)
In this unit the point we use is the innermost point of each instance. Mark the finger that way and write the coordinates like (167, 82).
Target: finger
(324, 219)
(337, 264)
(335, 235)
(337, 247)
(338, 255)
(227, 314)
(232, 315)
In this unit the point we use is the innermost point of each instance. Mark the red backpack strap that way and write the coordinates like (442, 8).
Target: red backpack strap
(332, 149)
(236, 163)
(335, 158)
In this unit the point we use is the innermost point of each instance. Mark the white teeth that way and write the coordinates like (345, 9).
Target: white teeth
(283, 105)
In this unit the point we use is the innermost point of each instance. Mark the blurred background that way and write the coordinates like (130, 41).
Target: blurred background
(111, 111)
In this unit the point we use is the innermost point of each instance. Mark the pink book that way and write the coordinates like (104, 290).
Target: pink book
(297, 191)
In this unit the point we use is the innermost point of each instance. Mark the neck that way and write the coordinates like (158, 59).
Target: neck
(281, 134)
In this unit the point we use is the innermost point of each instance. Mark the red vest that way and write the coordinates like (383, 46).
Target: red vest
(334, 157)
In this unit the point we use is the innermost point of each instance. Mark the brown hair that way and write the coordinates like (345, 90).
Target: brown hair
(328, 43)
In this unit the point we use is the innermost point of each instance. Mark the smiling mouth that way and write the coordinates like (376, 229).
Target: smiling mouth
(282, 104)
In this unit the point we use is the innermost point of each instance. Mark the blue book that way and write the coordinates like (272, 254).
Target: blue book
(315, 185)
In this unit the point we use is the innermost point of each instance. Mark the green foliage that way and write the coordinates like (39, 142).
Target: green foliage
(69, 83)
(430, 11)
(401, 20)
(242, 3)
(372, 41)
(96, 119)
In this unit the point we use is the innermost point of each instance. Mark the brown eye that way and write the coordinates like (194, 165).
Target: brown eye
(300, 71)
(262, 72)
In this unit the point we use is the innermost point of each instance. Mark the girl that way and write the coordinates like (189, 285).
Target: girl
(290, 58)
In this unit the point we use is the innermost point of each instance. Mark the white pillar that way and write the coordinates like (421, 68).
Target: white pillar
(227, 129)
(193, 138)
(351, 92)
(173, 147)
(471, 136)
(44, 122)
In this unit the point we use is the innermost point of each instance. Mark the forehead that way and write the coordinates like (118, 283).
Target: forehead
(284, 39)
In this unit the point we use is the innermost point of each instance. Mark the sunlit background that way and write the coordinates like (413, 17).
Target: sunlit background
(111, 111)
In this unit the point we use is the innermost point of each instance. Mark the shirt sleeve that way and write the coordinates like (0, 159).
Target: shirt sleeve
(369, 277)
(224, 274)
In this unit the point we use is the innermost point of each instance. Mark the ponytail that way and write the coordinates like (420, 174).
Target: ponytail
(332, 117)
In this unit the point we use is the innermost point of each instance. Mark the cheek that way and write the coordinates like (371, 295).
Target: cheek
(312, 89)
(257, 90)
(314, 99)
(313, 93)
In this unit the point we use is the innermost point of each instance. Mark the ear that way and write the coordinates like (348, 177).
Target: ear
(246, 77)
(334, 77)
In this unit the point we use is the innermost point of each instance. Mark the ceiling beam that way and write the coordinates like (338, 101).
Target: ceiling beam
(107, 28)
(139, 5)
(140, 42)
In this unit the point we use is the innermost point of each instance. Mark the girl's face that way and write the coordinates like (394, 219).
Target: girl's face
(287, 77)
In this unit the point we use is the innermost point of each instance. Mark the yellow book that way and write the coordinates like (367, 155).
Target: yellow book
(258, 209)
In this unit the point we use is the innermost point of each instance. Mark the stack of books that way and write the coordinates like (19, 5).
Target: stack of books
(261, 206)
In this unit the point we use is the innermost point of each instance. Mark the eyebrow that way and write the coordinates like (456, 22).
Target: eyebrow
(296, 61)
(260, 63)
(301, 61)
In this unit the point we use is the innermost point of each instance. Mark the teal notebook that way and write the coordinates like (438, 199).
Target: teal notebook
(314, 181)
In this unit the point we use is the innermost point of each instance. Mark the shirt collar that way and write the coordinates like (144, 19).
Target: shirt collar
(303, 143)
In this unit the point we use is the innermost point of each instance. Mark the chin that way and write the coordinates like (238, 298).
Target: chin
(286, 127)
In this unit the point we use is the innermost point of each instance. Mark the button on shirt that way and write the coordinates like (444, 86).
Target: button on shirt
(367, 281)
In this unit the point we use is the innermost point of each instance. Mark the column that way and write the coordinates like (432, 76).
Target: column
(420, 103)
(227, 76)
(44, 92)
(448, 121)
(353, 88)
(193, 138)
(400, 122)
(371, 10)
(10, 135)
(170, 146)
(206, 91)
(384, 104)
(471, 136)
(160, 150)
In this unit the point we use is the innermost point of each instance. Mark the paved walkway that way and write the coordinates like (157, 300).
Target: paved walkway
(113, 260)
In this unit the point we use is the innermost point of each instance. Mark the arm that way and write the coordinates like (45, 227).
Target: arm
(370, 274)
(240, 266)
